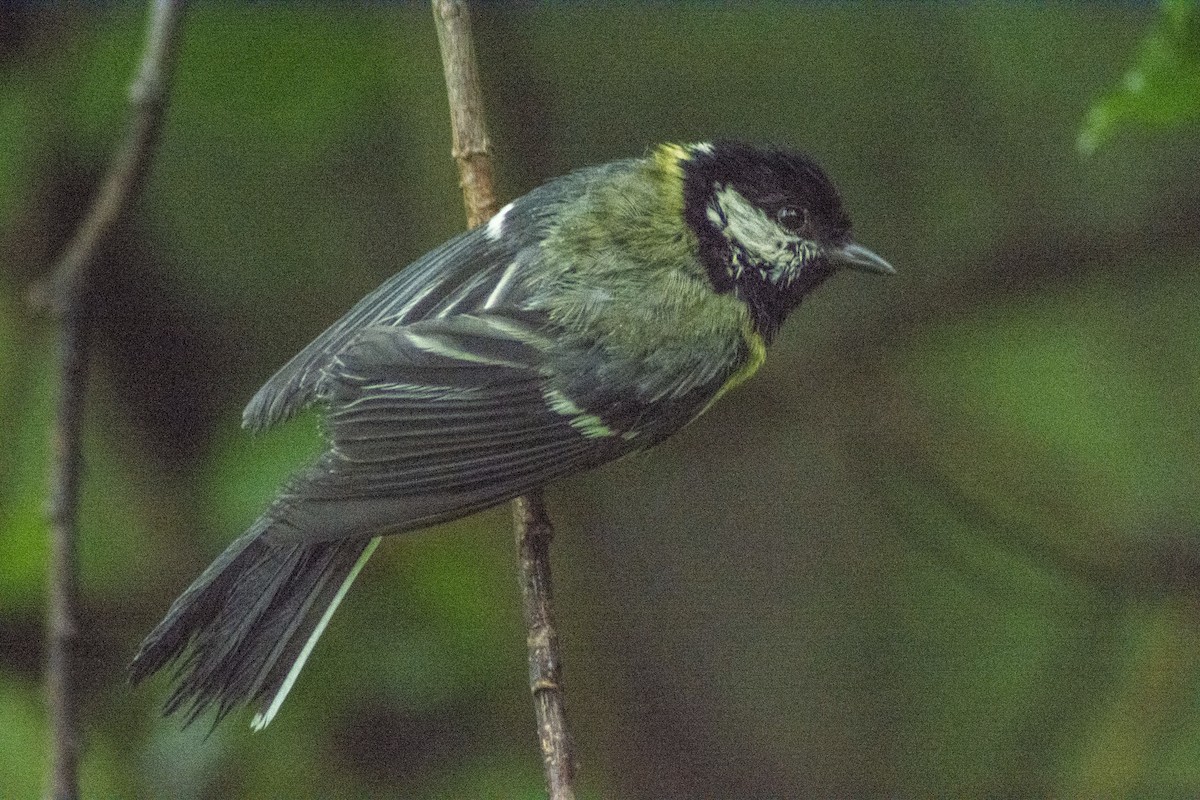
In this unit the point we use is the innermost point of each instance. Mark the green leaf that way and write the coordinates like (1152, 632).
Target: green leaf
(1161, 89)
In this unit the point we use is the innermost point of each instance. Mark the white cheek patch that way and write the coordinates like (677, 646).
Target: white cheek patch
(772, 249)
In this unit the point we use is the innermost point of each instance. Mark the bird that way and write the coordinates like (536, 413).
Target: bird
(591, 318)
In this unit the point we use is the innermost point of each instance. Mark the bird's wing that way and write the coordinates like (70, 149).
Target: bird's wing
(464, 270)
(476, 270)
(432, 420)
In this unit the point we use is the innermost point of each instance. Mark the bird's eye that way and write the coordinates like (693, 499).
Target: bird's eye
(789, 218)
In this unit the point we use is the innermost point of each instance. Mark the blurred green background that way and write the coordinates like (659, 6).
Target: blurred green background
(946, 543)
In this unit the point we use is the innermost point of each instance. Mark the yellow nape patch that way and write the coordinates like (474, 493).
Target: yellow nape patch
(669, 158)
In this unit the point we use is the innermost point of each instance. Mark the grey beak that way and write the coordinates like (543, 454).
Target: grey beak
(853, 255)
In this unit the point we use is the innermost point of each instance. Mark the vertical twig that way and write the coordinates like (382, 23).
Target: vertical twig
(534, 531)
(62, 582)
(66, 296)
(469, 142)
(534, 534)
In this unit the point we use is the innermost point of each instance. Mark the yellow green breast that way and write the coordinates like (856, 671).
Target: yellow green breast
(756, 355)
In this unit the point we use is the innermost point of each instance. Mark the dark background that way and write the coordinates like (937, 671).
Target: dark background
(944, 544)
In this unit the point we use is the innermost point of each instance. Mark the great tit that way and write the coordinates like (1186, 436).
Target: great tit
(595, 316)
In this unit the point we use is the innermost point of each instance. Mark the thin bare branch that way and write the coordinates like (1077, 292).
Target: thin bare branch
(534, 531)
(66, 297)
(470, 145)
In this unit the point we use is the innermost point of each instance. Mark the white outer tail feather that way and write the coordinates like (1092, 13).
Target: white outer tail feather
(263, 718)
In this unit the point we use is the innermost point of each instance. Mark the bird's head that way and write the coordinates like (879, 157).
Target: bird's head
(769, 224)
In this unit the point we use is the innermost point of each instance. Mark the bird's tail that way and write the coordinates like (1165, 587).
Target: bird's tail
(243, 630)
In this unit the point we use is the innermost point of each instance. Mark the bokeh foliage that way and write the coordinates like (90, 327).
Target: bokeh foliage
(1162, 87)
(946, 543)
